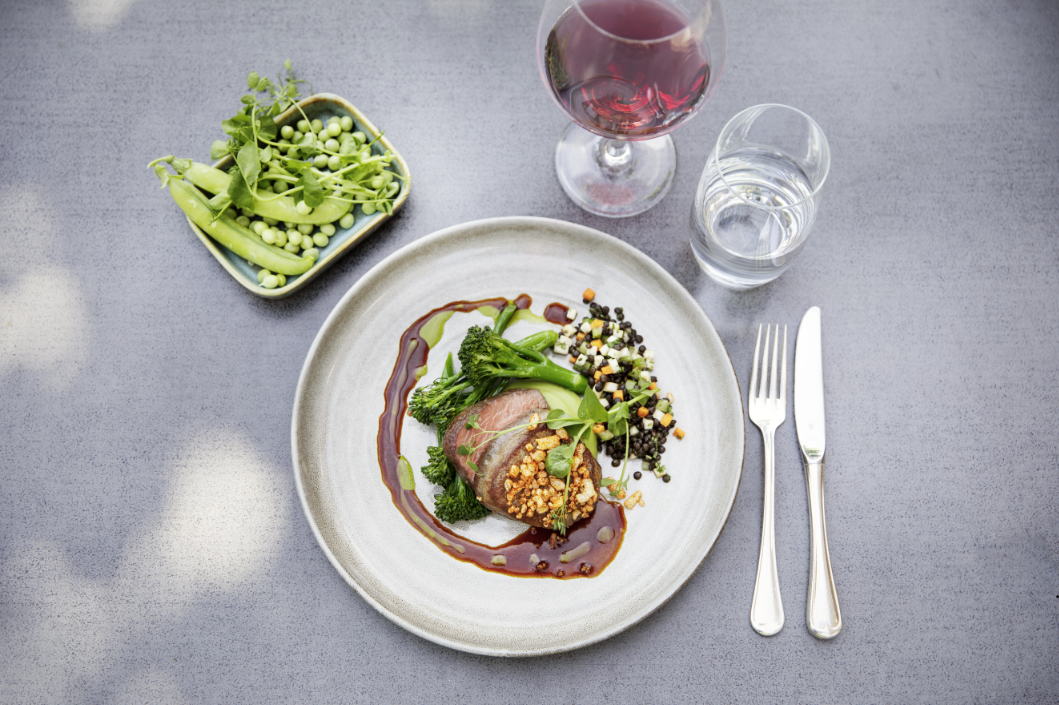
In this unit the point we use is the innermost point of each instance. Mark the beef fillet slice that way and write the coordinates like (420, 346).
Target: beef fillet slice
(511, 478)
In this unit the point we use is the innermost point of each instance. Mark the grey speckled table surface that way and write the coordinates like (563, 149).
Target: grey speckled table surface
(152, 545)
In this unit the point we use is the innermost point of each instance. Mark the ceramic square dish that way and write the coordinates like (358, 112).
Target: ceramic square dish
(318, 106)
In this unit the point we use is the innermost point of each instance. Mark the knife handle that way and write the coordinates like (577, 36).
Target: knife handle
(822, 615)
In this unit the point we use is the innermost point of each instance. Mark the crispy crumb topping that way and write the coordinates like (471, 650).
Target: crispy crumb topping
(531, 492)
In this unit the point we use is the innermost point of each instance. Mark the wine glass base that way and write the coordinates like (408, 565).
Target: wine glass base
(614, 180)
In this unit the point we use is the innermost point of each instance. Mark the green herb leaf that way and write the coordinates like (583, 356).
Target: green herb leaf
(239, 192)
(473, 467)
(266, 154)
(463, 450)
(252, 79)
(607, 482)
(266, 128)
(591, 409)
(559, 459)
(312, 194)
(249, 162)
(234, 124)
(218, 149)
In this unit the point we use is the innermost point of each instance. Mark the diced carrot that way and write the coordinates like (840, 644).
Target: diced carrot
(580, 337)
(573, 359)
(588, 295)
(620, 394)
(597, 375)
(607, 370)
(642, 412)
(652, 385)
(596, 323)
(596, 343)
(666, 420)
(678, 432)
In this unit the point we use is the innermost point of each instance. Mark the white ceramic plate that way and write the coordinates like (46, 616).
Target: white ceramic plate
(402, 573)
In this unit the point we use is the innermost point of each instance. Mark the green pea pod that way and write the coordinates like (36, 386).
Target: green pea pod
(235, 237)
(283, 208)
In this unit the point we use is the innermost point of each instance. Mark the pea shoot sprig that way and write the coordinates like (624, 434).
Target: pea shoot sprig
(307, 164)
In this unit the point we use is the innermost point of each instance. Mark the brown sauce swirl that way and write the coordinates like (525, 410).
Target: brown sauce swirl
(590, 544)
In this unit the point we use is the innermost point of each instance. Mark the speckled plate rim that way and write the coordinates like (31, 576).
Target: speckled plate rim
(316, 495)
(344, 239)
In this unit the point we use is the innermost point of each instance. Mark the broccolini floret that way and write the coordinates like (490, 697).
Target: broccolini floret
(458, 503)
(486, 356)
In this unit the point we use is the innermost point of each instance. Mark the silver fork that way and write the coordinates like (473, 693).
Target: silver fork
(768, 412)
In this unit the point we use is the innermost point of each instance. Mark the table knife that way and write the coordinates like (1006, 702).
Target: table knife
(822, 615)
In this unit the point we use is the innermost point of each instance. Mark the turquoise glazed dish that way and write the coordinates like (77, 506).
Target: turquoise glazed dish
(320, 106)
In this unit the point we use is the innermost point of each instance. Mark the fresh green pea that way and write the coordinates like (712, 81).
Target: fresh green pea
(297, 136)
(286, 132)
(282, 279)
(334, 163)
(305, 229)
(294, 238)
(316, 125)
(346, 123)
(247, 212)
(270, 221)
(392, 189)
(281, 238)
(377, 182)
(280, 186)
(320, 161)
(311, 252)
(387, 176)
(302, 208)
(284, 145)
(304, 126)
(243, 220)
(364, 154)
(367, 208)
(262, 274)
(270, 282)
(320, 240)
(258, 226)
(334, 129)
(346, 222)
(292, 248)
(269, 236)
(331, 145)
(360, 137)
(327, 229)
(265, 186)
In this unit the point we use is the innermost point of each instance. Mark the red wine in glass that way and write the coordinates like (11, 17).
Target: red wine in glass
(630, 69)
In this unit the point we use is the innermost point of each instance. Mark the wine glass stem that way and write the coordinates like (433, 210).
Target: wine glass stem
(615, 158)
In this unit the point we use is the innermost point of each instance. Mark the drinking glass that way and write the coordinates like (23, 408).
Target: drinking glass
(758, 195)
(626, 72)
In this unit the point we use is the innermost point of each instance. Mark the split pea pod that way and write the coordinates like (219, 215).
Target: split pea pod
(283, 208)
(235, 237)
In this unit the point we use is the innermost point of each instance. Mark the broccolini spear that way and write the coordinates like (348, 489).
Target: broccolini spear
(485, 357)
(438, 403)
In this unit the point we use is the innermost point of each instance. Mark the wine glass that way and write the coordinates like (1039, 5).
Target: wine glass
(627, 72)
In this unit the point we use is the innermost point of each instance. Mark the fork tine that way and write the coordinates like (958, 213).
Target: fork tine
(765, 364)
(783, 374)
(775, 354)
(753, 370)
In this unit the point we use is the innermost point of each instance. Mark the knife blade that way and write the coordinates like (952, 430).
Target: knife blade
(822, 614)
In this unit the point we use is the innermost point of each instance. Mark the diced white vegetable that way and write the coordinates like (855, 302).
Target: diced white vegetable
(670, 397)
(598, 361)
(586, 327)
(569, 330)
(561, 348)
(604, 350)
(633, 431)
(649, 354)
(604, 402)
(610, 387)
(659, 471)
(658, 414)
(571, 314)
(582, 360)
(644, 376)
(648, 424)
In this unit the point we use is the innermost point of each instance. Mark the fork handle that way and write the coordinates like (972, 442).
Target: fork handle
(766, 610)
(822, 615)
